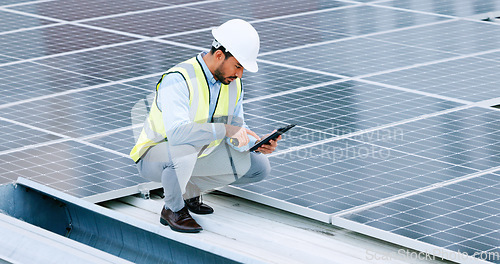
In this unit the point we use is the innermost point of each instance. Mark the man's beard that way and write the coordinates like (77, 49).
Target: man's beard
(219, 75)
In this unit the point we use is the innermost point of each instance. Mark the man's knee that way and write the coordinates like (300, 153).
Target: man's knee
(263, 167)
(260, 168)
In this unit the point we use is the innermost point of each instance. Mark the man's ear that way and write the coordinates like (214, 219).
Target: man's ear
(219, 55)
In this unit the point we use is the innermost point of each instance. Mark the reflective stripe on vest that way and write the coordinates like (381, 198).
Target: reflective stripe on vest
(153, 130)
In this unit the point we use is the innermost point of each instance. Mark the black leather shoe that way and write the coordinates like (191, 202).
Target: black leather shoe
(196, 206)
(180, 221)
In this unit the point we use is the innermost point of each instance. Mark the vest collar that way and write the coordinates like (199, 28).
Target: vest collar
(210, 77)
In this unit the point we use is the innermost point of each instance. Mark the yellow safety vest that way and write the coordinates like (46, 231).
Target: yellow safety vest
(153, 130)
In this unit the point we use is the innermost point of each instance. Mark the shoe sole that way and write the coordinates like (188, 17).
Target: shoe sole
(165, 223)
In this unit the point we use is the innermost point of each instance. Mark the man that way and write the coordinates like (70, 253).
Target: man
(195, 137)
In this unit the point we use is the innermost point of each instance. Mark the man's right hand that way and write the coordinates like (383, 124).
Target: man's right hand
(240, 133)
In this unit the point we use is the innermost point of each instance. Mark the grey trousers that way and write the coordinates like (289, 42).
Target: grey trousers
(183, 175)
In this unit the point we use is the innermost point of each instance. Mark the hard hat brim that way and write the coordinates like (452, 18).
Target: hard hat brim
(250, 66)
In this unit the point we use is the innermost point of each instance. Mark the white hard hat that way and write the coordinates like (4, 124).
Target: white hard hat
(242, 40)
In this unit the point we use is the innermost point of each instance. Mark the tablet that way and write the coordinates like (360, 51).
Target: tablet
(274, 135)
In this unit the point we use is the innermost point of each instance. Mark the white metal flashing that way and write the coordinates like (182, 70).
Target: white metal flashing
(25, 243)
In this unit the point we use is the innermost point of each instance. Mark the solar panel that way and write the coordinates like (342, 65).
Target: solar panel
(11, 22)
(462, 217)
(27, 81)
(6, 59)
(364, 170)
(351, 106)
(477, 82)
(361, 20)
(491, 56)
(378, 56)
(123, 62)
(57, 39)
(275, 35)
(456, 36)
(78, 169)
(118, 140)
(15, 2)
(14, 136)
(346, 174)
(80, 114)
(466, 137)
(267, 10)
(163, 21)
(394, 136)
(462, 8)
(271, 80)
(71, 10)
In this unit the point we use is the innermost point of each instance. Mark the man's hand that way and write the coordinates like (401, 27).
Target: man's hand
(269, 148)
(240, 133)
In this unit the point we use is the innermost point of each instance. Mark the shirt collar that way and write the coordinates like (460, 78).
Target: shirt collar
(210, 76)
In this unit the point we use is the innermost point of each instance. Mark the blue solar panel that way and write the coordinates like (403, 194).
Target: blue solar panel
(14, 137)
(162, 22)
(461, 217)
(270, 10)
(350, 107)
(76, 10)
(491, 56)
(80, 114)
(357, 56)
(361, 20)
(346, 173)
(129, 60)
(457, 36)
(477, 82)
(274, 35)
(466, 137)
(72, 167)
(10, 22)
(28, 81)
(57, 39)
(458, 8)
